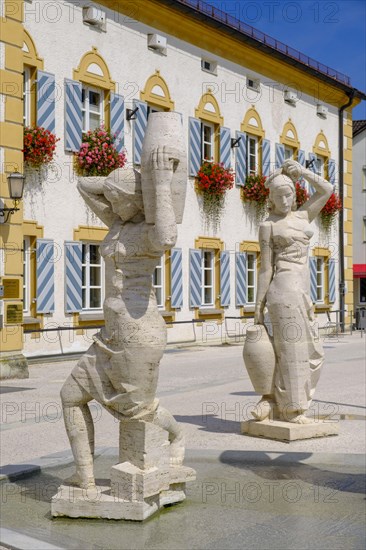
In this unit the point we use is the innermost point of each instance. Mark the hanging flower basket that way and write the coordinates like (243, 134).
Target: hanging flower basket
(329, 212)
(39, 146)
(98, 155)
(255, 193)
(212, 182)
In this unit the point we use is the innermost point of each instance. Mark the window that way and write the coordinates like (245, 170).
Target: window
(252, 148)
(92, 277)
(208, 277)
(289, 153)
(364, 229)
(208, 141)
(26, 97)
(319, 166)
(26, 274)
(159, 282)
(153, 110)
(320, 280)
(251, 278)
(92, 108)
(362, 291)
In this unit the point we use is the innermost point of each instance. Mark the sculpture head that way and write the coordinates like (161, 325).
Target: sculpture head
(282, 194)
(122, 188)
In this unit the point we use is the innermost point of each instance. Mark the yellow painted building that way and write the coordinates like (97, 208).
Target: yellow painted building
(230, 88)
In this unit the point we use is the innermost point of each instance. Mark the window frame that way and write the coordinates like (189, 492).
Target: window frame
(160, 267)
(212, 144)
(204, 286)
(87, 285)
(320, 294)
(291, 150)
(320, 159)
(26, 275)
(252, 138)
(85, 106)
(27, 100)
(254, 271)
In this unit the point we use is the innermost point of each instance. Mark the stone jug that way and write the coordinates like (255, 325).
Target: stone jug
(259, 359)
(164, 129)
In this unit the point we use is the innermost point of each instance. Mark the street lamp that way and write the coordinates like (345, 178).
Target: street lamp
(16, 186)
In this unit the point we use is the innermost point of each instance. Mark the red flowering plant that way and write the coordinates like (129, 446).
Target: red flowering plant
(39, 146)
(301, 194)
(255, 192)
(98, 155)
(212, 182)
(330, 211)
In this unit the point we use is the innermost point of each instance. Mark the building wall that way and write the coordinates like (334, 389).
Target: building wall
(359, 208)
(53, 208)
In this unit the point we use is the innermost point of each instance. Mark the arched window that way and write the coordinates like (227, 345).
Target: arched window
(290, 141)
(253, 128)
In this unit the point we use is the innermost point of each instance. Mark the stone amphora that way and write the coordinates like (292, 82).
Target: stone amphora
(164, 129)
(259, 359)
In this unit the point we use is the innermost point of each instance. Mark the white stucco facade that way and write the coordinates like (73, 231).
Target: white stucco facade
(52, 201)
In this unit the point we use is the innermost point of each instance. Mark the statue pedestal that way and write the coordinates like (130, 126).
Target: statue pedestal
(287, 431)
(141, 484)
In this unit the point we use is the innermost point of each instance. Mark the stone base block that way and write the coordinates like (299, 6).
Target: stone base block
(287, 431)
(98, 502)
(129, 497)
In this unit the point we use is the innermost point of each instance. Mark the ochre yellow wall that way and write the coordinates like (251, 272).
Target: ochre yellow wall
(11, 139)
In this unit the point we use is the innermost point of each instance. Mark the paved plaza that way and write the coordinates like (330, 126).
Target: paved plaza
(249, 493)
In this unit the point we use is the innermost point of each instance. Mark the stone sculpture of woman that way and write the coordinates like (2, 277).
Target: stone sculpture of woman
(120, 369)
(287, 378)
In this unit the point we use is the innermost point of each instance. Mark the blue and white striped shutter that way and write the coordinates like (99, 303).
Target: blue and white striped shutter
(73, 276)
(46, 89)
(301, 160)
(241, 278)
(280, 155)
(45, 257)
(241, 159)
(139, 129)
(313, 285)
(195, 146)
(312, 156)
(332, 171)
(195, 277)
(301, 157)
(73, 115)
(225, 147)
(176, 278)
(225, 278)
(331, 280)
(118, 120)
(266, 157)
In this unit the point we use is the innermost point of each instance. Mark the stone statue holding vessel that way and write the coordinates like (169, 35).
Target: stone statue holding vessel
(120, 369)
(284, 366)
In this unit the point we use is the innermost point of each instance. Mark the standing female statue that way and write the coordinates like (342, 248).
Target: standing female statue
(283, 288)
(120, 369)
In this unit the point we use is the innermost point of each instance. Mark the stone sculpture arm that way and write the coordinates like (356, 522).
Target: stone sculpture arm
(323, 189)
(266, 270)
(163, 234)
(92, 191)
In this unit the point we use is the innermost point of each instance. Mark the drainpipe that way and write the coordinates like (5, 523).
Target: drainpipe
(342, 286)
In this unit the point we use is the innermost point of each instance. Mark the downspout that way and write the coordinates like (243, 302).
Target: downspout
(342, 285)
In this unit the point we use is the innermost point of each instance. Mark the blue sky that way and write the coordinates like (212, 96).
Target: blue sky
(333, 33)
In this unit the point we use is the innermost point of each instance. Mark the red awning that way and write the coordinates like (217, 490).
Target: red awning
(359, 270)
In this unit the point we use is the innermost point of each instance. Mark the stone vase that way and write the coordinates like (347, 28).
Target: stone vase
(259, 359)
(164, 129)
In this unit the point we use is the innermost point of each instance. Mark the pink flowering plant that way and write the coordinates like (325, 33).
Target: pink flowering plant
(98, 155)
(256, 193)
(39, 146)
